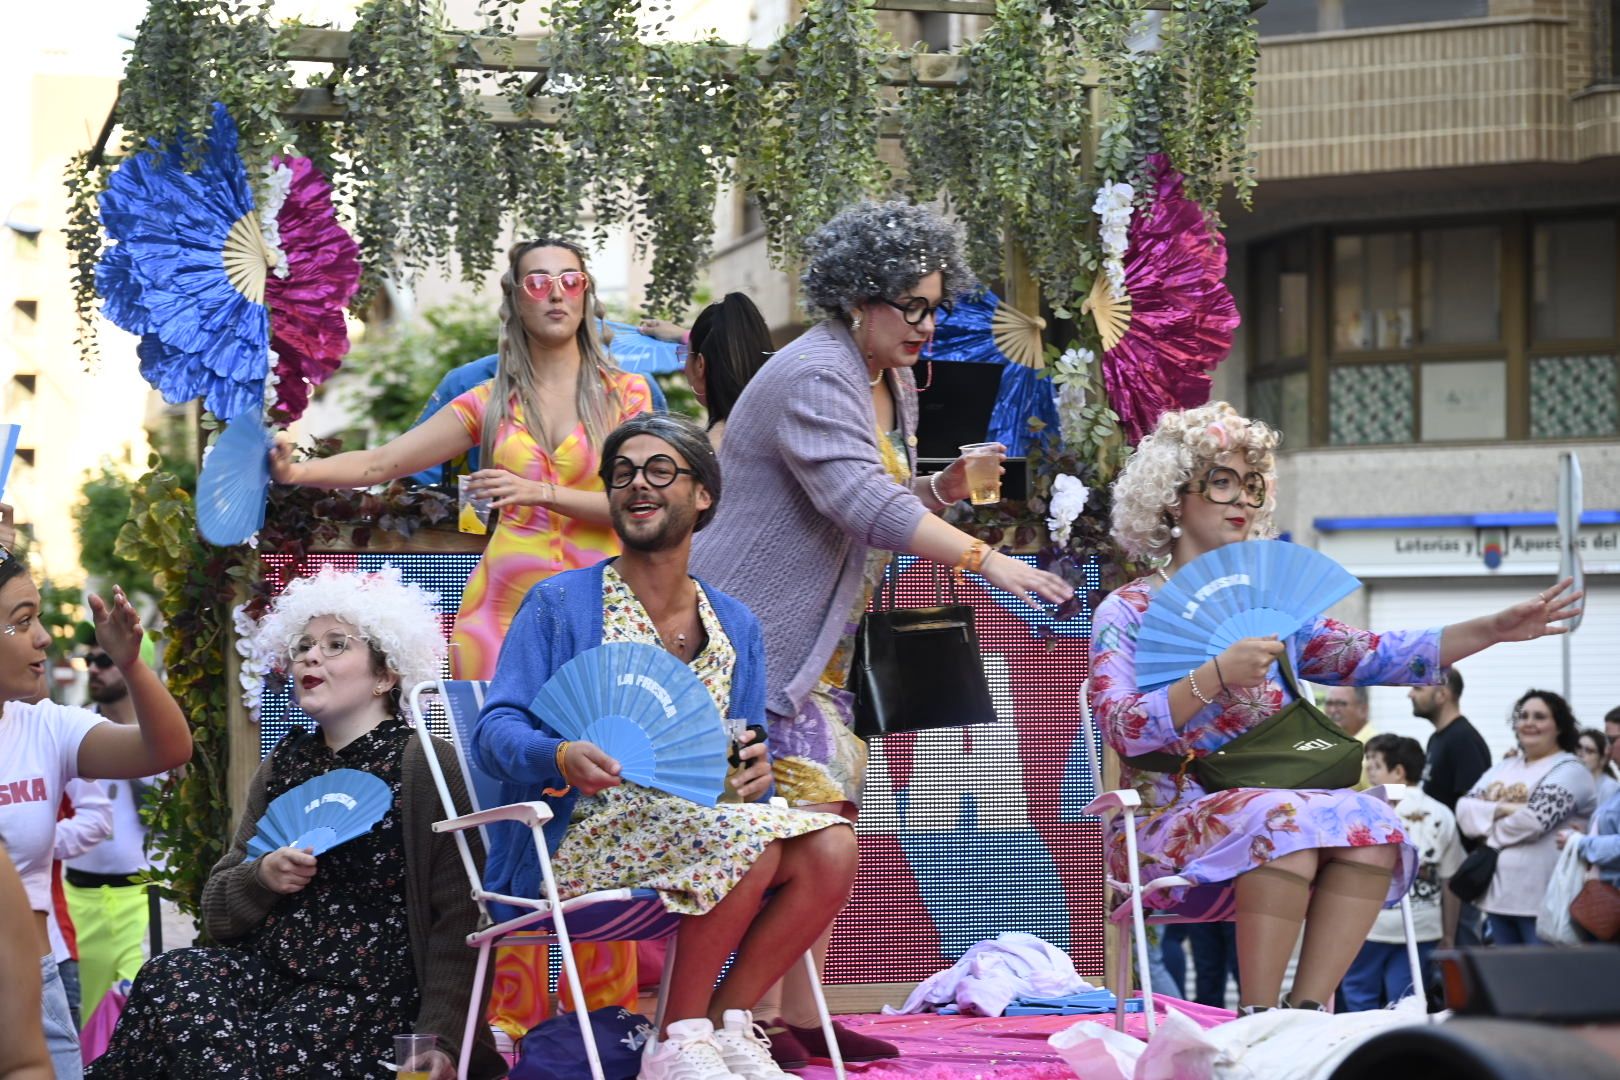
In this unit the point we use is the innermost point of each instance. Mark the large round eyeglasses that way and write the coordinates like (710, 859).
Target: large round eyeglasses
(660, 471)
(331, 643)
(914, 309)
(1224, 486)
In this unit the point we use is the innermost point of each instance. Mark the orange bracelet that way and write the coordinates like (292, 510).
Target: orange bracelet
(973, 558)
(562, 769)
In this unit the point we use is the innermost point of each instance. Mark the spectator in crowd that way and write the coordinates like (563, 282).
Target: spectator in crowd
(104, 894)
(1518, 806)
(1381, 973)
(1347, 707)
(1594, 748)
(1457, 755)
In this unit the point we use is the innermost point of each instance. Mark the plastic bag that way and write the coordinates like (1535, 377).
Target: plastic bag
(1553, 923)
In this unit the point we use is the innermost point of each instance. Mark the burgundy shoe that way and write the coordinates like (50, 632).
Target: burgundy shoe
(787, 1051)
(853, 1045)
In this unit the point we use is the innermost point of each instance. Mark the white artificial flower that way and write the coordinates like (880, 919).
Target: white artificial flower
(1069, 498)
(277, 183)
(1113, 207)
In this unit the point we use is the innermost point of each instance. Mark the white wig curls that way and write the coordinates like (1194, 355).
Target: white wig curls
(1182, 447)
(399, 620)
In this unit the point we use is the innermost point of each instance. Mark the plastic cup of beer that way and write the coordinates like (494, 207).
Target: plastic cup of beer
(411, 1056)
(983, 472)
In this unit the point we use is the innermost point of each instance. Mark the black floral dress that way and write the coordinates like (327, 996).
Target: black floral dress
(321, 987)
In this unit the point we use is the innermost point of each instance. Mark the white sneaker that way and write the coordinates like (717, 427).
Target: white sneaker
(746, 1048)
(688, 1052)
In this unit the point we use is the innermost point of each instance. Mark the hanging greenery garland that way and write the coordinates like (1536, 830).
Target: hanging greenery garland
(807, 144)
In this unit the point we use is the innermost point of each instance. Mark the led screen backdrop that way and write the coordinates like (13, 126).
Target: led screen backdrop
(965, 832)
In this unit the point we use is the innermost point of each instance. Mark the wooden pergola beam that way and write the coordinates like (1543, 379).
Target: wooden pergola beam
(479, 52)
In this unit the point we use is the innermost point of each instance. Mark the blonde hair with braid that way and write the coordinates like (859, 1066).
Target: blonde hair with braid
(514, 374)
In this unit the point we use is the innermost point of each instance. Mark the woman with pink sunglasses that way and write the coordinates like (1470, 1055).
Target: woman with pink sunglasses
(538, 424)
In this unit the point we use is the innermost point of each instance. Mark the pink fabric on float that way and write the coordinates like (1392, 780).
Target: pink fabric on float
(987, 1048)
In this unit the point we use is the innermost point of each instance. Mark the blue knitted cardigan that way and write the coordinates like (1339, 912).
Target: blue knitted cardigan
(560, 618)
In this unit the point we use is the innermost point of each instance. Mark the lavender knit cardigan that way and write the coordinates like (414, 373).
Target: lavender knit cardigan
(806, 497)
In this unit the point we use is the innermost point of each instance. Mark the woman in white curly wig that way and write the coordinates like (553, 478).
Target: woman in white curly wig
(1327, 859)
(325, 958)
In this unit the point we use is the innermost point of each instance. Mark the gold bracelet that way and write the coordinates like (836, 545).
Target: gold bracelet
(973, 558)
(1197, 693)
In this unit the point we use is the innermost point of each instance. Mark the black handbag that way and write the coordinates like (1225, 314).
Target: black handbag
(1473, 877)
(917, 668)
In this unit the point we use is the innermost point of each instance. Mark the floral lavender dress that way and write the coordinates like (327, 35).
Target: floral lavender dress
(1211, 838)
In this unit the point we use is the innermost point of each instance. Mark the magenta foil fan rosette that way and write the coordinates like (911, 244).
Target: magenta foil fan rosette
(1175, 321)
(308, 334)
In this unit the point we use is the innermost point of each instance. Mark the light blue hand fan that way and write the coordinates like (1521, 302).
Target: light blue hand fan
(322, 813)
(234, 482)
(648, 710)
(1252, 589)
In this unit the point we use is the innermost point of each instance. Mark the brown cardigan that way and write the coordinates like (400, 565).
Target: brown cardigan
(439, 910)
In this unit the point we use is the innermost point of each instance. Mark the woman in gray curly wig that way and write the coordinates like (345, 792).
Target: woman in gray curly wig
(821, 487)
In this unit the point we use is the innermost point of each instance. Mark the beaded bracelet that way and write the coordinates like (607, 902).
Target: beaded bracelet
(1197, 693)
(933, 486)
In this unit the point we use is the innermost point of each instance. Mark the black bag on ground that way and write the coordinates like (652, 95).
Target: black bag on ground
(917, 668)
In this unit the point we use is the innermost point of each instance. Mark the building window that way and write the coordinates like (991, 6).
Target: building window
(1284, 402)
(1370, 403)
(1372, 292)
(1463, 400)
(1506, 329)
(1317, 16)
(1459, 285)
(1282, 301)
(1574, 397)
(24, 316)
(1573, 280)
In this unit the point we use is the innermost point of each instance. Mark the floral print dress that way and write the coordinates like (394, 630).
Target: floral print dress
(321, 987)
(1212, 837)
(819, 760)
(635, 837)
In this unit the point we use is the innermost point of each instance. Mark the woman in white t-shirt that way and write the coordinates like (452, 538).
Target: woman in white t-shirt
(44, 745)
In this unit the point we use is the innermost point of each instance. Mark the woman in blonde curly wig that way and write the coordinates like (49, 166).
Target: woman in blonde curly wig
(1184, 445)
(1326, 859)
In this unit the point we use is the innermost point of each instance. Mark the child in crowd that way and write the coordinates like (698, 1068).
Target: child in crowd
(1380, 974)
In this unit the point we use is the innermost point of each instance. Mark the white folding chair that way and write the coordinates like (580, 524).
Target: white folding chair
(607, 915)
(1127, 918)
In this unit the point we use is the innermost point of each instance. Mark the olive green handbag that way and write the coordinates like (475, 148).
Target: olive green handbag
(1297, 748)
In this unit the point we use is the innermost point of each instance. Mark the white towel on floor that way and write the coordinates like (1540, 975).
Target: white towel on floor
(993, 974)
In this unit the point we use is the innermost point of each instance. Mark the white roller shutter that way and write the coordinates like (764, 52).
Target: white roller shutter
(1495, 678)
